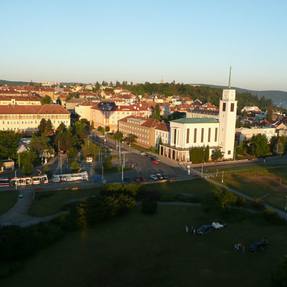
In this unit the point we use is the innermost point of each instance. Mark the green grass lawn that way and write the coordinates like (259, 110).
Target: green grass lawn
(51, 202)
(268, 184)
(7, 200)
(196, 188)
(139, 250)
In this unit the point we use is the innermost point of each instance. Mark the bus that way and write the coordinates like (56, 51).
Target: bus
(23, 181)
(40, 179)
(69, 177)
(4, 182)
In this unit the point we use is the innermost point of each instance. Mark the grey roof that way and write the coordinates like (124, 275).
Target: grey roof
(195, 121)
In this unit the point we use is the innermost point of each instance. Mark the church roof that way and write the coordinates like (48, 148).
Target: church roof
(196, 121)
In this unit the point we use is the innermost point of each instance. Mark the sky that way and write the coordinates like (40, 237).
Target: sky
(191, 41)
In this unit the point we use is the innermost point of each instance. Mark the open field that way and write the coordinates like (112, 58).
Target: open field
(51, 202)
(7, 200)
(268, 184)
(139, 250)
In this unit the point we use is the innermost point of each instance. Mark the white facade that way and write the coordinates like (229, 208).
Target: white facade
(161, 135)
(227, 122)
(85, 112)
(215, 133)
(248, 133)
(194, 132)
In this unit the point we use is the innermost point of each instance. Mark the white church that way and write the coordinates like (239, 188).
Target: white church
(186, 133)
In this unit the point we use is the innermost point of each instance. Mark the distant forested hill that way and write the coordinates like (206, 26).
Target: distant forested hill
(13, 83)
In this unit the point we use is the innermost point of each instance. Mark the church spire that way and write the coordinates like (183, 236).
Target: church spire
(229, 81)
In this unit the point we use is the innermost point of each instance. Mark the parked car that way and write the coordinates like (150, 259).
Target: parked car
(203, 229)
(159, 176)
(153, 177)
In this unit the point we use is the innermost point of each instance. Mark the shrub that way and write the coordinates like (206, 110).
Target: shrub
(257, 204)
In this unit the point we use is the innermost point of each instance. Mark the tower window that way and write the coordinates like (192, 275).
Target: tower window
(224, 107)
(232, 107)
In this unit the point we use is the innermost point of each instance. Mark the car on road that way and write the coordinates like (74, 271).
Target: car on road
(143, 153)
(20, 196)
(159, 176)
(155, 161)
(153, 177)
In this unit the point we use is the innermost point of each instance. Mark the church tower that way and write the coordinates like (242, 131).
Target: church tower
(227, 121)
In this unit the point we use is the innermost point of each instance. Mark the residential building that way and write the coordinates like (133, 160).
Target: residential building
(149, 132)
(19, 99)
(107, 114)
(27, 118)
(248, 133)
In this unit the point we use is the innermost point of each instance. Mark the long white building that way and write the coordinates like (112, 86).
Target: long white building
(218, 132)
(27, 118)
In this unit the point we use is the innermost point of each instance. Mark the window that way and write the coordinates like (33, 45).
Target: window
(229, 152)
(224, 107)
(187, 136)
(174, 137)
(215, 136)
(232, 107)
(209, 134)
(202, 134)
(195, 135)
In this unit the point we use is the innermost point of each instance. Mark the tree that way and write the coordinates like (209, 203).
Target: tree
(199, 154)
(118, 136)
(45, 127)
(278, 145)
(225, 198)
(46, 100)
(269, 113)
(63, 138)
(101, 130)
(39, 144)
(27, 159)
(259, 146)
(9, 142)
(90, 149)
(130, 139)
(74, 166)
(156, 112)
(217, 154)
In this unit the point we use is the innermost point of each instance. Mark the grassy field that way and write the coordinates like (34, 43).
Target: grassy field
(51, 202)
(139, 250)
(196, 188)
(268, 184)
(7, 200)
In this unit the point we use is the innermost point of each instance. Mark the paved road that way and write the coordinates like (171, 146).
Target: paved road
(18, 214)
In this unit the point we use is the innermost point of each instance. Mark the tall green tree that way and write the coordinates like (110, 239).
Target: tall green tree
(46, 100)
(259, 146)
(9, 142)
(156, 112)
